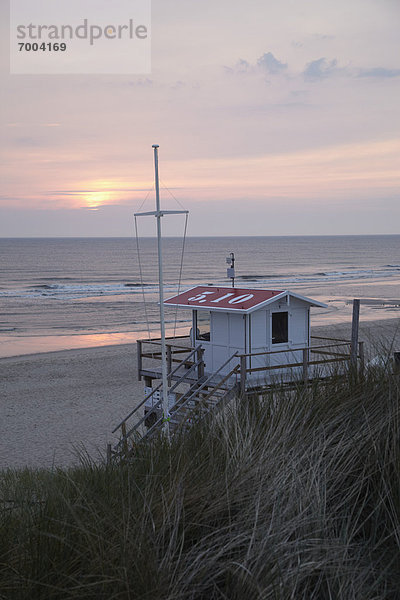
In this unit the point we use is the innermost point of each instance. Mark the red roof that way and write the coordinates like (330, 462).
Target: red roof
(223, 298)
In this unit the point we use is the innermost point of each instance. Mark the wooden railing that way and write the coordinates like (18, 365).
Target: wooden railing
(335, 351)
(329, 350)
(196, 359)
(174, 352)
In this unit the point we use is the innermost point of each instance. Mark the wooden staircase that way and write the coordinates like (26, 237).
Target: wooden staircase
(207, 394)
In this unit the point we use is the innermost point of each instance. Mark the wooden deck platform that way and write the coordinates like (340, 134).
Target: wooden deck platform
(316, 359)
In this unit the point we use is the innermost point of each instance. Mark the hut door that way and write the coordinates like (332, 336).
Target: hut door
(227, 337)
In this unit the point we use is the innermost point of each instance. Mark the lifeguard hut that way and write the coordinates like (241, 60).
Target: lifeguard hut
(270, 327)
(241, 341)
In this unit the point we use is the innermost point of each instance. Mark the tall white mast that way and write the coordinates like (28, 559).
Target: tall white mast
(158, 213)
(165, 404)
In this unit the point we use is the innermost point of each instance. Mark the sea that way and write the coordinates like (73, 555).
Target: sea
(64, 293)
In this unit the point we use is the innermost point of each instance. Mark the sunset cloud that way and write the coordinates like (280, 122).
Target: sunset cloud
(270, 64)
(249, 103)
(379, 72)
(319, 69)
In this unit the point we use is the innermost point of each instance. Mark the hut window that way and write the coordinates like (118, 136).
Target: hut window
(280, 333)
(203, 319)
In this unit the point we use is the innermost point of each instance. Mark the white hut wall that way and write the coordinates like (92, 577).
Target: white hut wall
(297, 334)
(260, 338)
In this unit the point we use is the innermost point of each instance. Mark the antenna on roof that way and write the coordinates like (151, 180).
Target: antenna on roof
(230, 272)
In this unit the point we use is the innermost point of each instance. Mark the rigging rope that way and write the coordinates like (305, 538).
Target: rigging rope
(180, 270)
(144, 201)
(171, 194)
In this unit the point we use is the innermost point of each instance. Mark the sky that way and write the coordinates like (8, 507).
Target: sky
(273, 118)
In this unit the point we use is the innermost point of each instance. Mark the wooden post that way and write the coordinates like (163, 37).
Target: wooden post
(354, 332)
(108, 454)
(139, 358)
(169, 363)
(200, 368)
(243, 375)
(305, 365)
(124, 439)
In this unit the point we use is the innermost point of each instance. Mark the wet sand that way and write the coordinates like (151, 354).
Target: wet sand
(55, 402)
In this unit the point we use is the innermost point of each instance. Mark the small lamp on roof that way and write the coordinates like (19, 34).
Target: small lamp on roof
(230, 272)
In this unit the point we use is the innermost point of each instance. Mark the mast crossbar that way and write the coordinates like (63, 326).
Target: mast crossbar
(161, 213)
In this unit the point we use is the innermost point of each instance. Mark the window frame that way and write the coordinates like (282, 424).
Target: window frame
(281, 339)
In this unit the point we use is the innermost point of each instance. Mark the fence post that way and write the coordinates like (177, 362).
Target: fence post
(354, 332)
(169, 363)
(108, 454)
(139, 359)
(396, 357)
(243, 374)
(305, 365)
(200, 359)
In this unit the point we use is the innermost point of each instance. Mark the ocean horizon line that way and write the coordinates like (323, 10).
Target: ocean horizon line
(150, 237)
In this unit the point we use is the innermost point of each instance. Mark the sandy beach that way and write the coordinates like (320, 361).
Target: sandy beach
(55, 402)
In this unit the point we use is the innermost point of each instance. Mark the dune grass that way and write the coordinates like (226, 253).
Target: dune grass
(293, 495)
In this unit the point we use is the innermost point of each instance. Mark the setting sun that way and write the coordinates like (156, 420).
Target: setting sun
(99, 193)
(94, 200)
